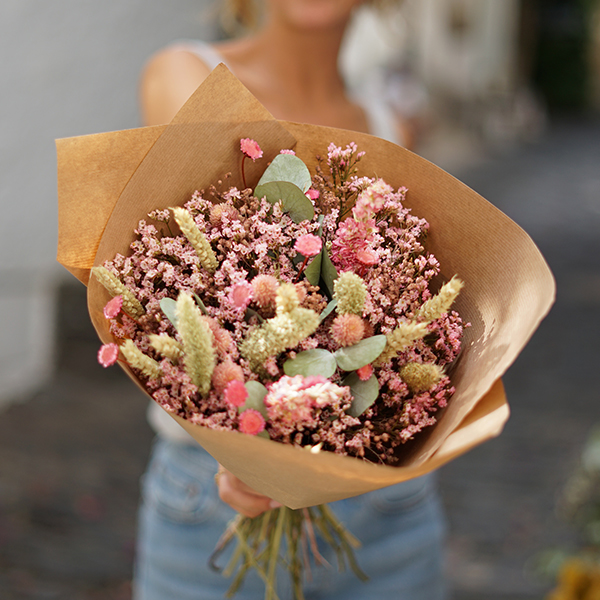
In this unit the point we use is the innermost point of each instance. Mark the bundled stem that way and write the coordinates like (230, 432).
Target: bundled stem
(284, 537)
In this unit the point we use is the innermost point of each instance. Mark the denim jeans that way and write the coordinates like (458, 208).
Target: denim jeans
(401, 529)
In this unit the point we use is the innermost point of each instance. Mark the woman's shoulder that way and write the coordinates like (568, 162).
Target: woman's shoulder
(168, 79)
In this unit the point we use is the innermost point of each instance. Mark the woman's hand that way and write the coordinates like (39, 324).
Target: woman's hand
(242, 497)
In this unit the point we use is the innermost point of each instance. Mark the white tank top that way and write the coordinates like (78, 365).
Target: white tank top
(382, 123)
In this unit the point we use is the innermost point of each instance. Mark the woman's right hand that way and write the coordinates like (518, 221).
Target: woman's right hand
(242, 497)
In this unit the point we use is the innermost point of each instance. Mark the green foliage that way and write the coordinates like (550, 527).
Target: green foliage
(311, 362)
(361, 354)
(364, 393)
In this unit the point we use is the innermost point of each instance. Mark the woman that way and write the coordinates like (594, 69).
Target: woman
(291, 66)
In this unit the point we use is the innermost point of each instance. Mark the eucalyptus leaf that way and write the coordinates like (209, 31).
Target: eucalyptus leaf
(364, 393)
(293, 200)
(313, 270)
(361, 354)
(169, 307)
(256, 394)
(328, 310)
(287, 167)
(200, 304)
(328, 272)
(311, 362)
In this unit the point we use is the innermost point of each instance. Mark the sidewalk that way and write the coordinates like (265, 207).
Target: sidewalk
(71, 457)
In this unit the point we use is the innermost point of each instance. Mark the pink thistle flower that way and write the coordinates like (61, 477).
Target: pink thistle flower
(236, 393)
(251, 422)
(366, 257)
(240, 295)
(347, 329)
(287, 151)
(312, 194)
(264, 290)
(364, 373)
(108, 354)
(308, 245)
(250, 148)
(224, 373)
(113, 307)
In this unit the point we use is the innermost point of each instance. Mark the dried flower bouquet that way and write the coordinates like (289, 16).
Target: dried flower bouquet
(508, 291)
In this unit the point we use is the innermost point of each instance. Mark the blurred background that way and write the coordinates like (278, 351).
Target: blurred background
(504, 94)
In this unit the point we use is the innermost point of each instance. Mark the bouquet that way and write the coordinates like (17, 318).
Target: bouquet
(303, 291)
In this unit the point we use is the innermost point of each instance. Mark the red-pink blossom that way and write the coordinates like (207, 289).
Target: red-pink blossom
(108, 354)
(308, 245)
(251, 422)
(287, 151)
(366, 257)
(312, 194)
(250, 148)
(364, 373)
(240, 294)
(236, 393)
(113, 307)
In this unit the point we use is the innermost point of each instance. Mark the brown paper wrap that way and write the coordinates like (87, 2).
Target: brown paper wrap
(107, 182)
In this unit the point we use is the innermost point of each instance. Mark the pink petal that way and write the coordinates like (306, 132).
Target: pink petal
(236, 393)
(108, 354)
(250, 148)
(113, 307)
(251, 422)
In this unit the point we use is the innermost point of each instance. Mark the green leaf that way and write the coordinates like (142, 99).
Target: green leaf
(364, 393)
(200, 304)
(294, 202)
(169, 307)
(311, 362)
(328, 310)
(313, 270)
(361, 354)
(287, 167)
(256, 394)
(328, 272)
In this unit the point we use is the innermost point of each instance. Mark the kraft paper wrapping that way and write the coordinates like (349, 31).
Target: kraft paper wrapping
(107, 182)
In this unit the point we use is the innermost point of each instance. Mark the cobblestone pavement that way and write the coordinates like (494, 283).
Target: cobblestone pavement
(71, 456)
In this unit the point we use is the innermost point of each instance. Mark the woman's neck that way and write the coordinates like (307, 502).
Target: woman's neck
(294, 73)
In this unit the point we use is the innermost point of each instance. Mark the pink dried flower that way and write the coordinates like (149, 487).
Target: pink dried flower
(224, 374)
(250, 148)
(308, 245)
(218, 211)
(108, 354)
(251, 422)
(240, 295)
(366, 257)
(312, 194)
(347, 329)
(113, 307)
(236, 393)
(364, 373)
(287, 151)
(264, 290)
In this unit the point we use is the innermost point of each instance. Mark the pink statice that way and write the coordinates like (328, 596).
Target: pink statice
(308, 245)
(108, 354)
(287, 151)
(113, 307)
(251, 422)
(250, 148)
(371, 200)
